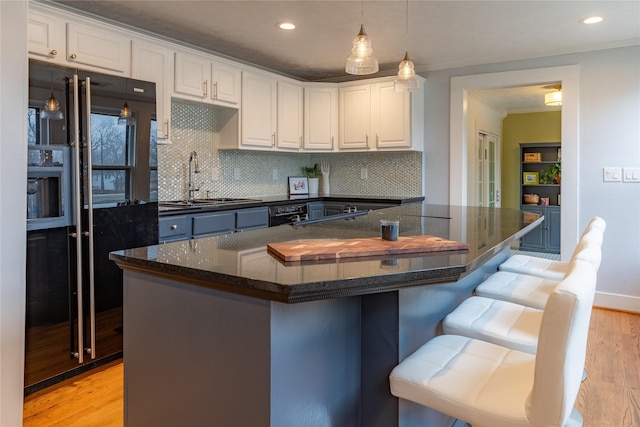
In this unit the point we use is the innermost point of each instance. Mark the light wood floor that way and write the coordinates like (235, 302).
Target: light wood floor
(609, 397)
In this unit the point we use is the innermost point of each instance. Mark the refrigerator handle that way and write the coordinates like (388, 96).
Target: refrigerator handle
(78, 212)
(92, 299)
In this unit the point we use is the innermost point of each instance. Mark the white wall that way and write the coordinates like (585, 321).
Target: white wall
(609, 135)
(13, 202)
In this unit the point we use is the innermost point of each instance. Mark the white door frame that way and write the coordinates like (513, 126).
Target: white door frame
(458, 159)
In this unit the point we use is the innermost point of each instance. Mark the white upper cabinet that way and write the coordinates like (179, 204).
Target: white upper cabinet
(259, 110)
(57, 38)
(100, 48)
(320, 117)
(46, 37)
(376, 117)
(290, 109)
(153, 62)
(355, 117)
(199, 77)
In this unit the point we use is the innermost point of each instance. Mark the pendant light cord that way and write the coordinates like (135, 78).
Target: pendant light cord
(406, 33)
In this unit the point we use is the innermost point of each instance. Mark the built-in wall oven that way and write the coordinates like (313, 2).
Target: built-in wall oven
(287, 214)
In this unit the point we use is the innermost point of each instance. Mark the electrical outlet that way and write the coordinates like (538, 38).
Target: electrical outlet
(275, 174)
(611, 174)
(631, 174)
(236, 174)
(215, 173)
(364, 173)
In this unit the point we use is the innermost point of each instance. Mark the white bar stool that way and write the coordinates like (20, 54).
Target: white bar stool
(490, 385)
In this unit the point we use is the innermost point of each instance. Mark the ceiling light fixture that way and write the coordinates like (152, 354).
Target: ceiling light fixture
(361, 61)
(591, 20)
(406, 80)
(553, 99)
(286, 25)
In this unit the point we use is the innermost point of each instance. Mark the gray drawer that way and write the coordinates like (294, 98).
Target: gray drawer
(252, 218)
(174, 227)
(214, 223)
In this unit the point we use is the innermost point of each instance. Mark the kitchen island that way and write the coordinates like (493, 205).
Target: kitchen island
(217, 331)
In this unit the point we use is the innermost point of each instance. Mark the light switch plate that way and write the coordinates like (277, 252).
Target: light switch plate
(364, 173)
(215, 173)
(631, 174)
(612, 174)
(236, 174)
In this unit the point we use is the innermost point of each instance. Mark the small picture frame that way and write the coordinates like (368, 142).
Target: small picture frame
(530, 178)
(298, 185)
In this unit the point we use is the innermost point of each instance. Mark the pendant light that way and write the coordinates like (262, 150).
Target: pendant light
(126, 117)
(361, 61)
(406, 80)
(51, 109)
(553, 99)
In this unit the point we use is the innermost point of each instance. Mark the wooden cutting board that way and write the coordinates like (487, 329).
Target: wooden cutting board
(306, 250)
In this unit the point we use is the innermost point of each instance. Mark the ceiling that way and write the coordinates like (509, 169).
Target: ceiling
(441, 34)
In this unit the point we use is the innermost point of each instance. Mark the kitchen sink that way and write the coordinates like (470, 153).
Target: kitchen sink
(206, 202)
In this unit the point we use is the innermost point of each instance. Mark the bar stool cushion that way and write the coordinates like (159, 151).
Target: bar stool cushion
(530, 291)
(509, 325)
(535, 266)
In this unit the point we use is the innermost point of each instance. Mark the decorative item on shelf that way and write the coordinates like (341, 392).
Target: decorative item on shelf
(532, 157)
(313, 174)
(531, 199)
(530, 178)
(325, 189)
(551, 174)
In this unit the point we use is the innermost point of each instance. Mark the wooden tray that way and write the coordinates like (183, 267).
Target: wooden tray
(306, 250)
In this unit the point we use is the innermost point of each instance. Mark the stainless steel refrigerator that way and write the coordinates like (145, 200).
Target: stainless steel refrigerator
(91, 189)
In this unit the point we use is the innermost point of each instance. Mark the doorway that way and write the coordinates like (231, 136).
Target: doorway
(487, 192)
(568, 76)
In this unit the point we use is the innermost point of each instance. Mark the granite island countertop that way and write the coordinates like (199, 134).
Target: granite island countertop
(239, 262)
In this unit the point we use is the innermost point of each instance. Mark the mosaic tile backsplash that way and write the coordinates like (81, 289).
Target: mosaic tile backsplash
(195, 128)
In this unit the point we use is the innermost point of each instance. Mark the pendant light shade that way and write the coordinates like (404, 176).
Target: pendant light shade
(51, 109)
(361, 61)
(126, 118)
(553, 99)
(406, 80)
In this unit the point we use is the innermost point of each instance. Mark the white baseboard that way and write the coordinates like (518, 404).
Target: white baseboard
(617, 302)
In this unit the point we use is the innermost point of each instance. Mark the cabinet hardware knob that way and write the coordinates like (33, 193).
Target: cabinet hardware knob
(174, 226)
(73, 56)
(53, 52)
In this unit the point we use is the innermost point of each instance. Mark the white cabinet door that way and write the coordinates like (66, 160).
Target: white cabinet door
(355, 117)
(391, 112)
(46, 37)
(192, 74)
(154, 63)
(98, 48)
(320, 118)
(289, 135)
(226, 84)
(259, 109)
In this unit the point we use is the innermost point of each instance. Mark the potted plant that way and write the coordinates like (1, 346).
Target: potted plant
(551, 174)
(313, 173)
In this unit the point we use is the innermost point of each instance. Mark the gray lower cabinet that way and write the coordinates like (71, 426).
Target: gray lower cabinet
(181, 227)
(315, 210)
(545, 237)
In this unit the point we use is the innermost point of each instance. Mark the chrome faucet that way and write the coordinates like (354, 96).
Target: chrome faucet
(194, 167)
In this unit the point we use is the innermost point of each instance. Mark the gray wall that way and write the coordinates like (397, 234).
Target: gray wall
(609, 135)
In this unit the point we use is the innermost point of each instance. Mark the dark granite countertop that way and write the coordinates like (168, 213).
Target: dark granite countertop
(285, 199)
(239, 262)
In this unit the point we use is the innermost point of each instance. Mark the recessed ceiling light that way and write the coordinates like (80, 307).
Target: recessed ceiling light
(591, 20)
(286, 25)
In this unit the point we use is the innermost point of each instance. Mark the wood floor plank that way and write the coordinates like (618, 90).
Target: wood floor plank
(609, 397)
